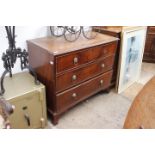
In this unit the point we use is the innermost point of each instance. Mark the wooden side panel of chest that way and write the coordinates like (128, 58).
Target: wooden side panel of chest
(43, 64)
(72, 77)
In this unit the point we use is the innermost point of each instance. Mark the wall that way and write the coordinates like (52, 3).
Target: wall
(23, 33)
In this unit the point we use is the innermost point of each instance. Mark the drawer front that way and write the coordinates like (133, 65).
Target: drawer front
(75, 59)
(72, 96)
(71, 78)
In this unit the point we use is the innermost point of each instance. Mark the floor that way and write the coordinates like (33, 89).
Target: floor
(104, 111)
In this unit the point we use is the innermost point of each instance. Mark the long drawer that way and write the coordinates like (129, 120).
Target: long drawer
(72, 96)
(71, 78)
(75, 59)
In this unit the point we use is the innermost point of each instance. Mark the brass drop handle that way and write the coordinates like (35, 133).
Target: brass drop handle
(75, 60)
(74, 95)
(105, 51)
(101, 82)
(74, 77)
(102, 65)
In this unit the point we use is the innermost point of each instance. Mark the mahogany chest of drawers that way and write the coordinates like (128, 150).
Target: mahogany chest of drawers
(149, 52)
(72, 71)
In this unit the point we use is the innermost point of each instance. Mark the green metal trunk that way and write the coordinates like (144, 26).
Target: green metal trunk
(28, 99)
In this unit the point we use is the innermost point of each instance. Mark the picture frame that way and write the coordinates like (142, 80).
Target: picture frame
(130, 58)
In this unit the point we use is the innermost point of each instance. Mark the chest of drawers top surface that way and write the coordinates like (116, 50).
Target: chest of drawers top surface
(59, 45)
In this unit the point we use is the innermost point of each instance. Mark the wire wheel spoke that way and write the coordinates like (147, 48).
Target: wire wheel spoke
(57, 31)
(72, 33)
(89, 33)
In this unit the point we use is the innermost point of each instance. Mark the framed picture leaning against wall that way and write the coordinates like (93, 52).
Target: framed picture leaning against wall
(131, 54)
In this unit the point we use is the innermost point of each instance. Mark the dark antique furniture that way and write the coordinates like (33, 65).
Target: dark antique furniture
(116, 32)
(149, 52)
(72, 71)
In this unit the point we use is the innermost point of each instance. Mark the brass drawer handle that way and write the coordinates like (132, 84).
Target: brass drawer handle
(75, 60)
(103, 65)
(101, 82)
(74, 95)
(74, 77)
(105, 51)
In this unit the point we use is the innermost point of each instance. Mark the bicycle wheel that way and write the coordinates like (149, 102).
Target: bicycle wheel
(89, 33)
(72, 33)
(57, 31)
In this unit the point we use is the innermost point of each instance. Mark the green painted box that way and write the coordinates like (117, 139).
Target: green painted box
(28, 99)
